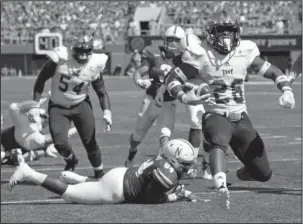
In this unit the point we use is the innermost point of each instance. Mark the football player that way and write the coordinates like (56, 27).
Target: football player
(157, 61)
(25, 136)
(72, 71)
(155, 181)
(195, 113)
(222, 61)
(296, 69)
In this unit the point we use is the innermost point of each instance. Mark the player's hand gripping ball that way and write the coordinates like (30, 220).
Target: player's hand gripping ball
(200, 87)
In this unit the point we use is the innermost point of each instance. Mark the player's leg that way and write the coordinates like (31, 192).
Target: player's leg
(59, 124)
(195, 136)
(249, 148)
(218, 132)
(110, 190)
(166, 122)
(84, 121)
(143, 124)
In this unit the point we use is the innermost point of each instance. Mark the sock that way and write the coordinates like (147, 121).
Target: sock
(219, 179)
(95, 158)
(3, 156)
(133, 147)
(217, 163)
(56, 186)
(133, 143)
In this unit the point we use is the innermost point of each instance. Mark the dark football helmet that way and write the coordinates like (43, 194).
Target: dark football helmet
(82, 47)
(222, 32)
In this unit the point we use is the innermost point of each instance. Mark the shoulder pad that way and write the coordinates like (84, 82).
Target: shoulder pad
(248, 47)
(165, 173)
(99, 61)
(58, 53)
(150, 52)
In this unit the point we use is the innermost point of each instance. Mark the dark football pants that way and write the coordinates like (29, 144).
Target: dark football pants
(83, 118)
(244, 140)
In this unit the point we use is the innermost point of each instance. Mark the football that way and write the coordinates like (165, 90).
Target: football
(200, 86)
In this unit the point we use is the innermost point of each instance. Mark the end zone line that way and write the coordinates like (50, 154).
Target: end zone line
(110, 167)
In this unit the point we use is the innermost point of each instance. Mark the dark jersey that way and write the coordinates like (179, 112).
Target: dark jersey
(8, 140)
(159, 66)
(150, 182)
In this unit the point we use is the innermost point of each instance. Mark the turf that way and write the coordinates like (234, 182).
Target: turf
(278, 200)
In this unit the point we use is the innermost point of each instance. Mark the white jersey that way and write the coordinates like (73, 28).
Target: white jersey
(71, 81)
(26, 135)
(225, 74)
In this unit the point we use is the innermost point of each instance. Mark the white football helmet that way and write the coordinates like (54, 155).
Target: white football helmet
(182, 151)
(38, 115)
(191, 46)
(172, 38)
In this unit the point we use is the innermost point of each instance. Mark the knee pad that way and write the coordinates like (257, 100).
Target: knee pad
(195, 136)
(165, 132)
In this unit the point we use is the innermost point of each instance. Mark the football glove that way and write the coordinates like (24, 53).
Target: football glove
(143, 83)
(107, 117)
(287, 100)
(179, 193)
(191, 98)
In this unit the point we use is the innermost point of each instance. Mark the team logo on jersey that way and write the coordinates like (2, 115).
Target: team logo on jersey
(228, 72)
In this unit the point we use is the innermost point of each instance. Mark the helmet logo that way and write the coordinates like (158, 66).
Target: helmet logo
(178, 151)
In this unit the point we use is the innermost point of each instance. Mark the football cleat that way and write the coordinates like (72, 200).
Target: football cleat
(71, 177)
(21, 174)
(223, 197)
(71, 165)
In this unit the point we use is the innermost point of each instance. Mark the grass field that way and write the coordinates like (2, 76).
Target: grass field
(279, 200)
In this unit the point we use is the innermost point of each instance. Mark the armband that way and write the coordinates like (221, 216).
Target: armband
(283, 83)
(264, 68)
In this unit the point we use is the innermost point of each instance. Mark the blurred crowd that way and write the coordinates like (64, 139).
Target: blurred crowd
(255, 17)
(112, 20)
(22, 19)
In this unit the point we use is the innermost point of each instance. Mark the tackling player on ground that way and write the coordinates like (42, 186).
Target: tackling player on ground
(222, 61)
(156, 62)
(25, 136)
(72, 71)
(155, 181)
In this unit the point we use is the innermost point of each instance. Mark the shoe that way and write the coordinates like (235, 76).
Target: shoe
(71, 165)
(99, 174)
(71, 177)
(223, 197)
(204, 170)
(21, 174)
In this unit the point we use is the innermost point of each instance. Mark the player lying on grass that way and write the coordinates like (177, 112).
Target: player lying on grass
(155, 181)
(25, 136)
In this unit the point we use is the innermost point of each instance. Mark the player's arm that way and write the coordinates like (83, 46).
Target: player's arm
(46, 73)
(99, 87)
(295, 70)
(269, 71)
(17, 109)
(143, 70)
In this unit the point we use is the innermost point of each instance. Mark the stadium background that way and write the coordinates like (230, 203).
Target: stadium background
(121, 27)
